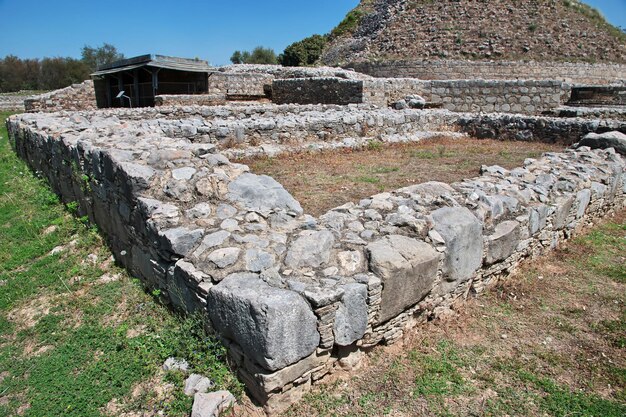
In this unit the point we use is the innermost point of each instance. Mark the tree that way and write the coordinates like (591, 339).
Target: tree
(304, 52)
(240, 57)
(105, 54)
(61, 72)
(259, 55)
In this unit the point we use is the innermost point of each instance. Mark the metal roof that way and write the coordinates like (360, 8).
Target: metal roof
(156, 61)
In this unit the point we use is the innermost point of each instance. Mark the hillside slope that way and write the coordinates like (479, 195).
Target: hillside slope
(541, 30)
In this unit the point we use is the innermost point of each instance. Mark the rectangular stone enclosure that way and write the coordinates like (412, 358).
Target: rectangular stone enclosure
(293, 296)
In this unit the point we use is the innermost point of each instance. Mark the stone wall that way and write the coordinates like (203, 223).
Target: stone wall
(566, 131)
(528, 97)
(607, 95)
(239, 84)
(189, 100)
(317, 91)
(75, 97)
(573, 73)
(294, 297)
(12, 101)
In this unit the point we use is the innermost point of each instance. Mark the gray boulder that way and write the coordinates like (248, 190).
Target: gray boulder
(351, 317)
(179, 241)
(503, 242)
(605, 140)
(274, 327)
(262, 193)
(197, 383)
(211, 404)
(416, 102)
(462, 232)
(311, 249)
(401, 105)
(407, 268)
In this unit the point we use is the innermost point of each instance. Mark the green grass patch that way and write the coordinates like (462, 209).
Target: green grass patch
(70, 344)
(608, 244)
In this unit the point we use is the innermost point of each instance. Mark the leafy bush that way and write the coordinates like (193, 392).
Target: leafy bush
(305, 52)
(348, 24)
(259, 55)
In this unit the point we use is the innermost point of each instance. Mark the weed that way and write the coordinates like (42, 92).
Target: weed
(374, 145)
(72, 207)
(369, 180)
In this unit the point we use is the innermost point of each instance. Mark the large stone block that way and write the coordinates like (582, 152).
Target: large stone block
(462, 232)
(407, 268)
(261, 193)
(563, 208)
(311, 249)
(351, 316)
(503, 242)
(274, 327)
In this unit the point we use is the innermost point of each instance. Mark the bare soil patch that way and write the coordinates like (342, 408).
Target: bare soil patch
(321, 181)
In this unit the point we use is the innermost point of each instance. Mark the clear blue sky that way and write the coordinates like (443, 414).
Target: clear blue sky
(206, 29)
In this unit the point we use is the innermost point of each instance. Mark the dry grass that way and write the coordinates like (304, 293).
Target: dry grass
(321, 181)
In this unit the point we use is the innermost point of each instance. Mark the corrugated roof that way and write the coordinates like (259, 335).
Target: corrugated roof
(156, 61)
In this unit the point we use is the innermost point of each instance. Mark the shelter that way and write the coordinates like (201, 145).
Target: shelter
(143, 77)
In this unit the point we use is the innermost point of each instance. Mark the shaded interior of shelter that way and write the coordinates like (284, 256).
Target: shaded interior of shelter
(135, 82)
(323, 180)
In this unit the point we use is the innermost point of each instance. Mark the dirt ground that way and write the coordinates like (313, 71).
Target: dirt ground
(321, 181)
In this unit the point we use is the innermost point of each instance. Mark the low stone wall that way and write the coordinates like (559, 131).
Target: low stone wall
(317, 91)
(189, 100)
(239, 85)
(76, 97)
(528, 97)
(566, 131)
(573, 73)
(606, 95)
(294, 297)
(12, 101)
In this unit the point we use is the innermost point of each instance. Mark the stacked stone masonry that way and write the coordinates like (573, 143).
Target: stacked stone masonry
(75, 97)
(292, 296)
(572, 73)
(528, 97)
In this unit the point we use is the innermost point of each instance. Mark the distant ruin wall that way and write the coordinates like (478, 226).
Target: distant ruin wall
(527, 97)
(573, 73)
(189, 100)
(238, 84)
(317, 91)
(216, 238)
(73, 98)
(566, 131)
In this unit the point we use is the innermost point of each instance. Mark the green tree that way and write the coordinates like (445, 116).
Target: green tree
(304, 52)
(240, 57)
(259, 55)
(105, 54)
(61, 72)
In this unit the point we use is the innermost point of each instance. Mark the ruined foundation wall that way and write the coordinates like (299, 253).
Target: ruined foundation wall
(317, 91)
(74, 98)
(189, 100)
(527, 97)
(239, 85)
(216, 238)
(573, 73)
(566, 131)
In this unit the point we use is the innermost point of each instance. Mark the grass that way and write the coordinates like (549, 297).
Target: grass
(78, 336)
(321, 181)
(549, 341)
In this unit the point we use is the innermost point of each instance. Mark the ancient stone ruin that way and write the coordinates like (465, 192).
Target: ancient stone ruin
(292, 296)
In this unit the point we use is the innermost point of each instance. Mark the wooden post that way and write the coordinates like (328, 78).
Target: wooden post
(136, 87)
